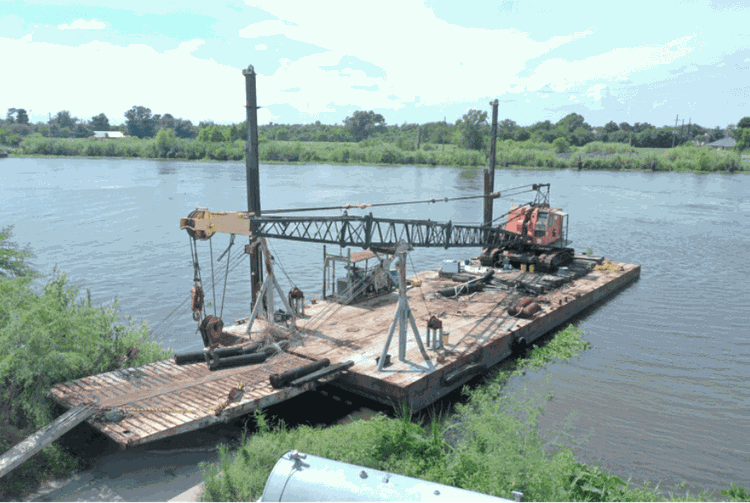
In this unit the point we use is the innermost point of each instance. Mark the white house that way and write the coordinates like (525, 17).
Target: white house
(103, 135)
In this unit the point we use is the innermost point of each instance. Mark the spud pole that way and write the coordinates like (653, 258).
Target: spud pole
(253, 178)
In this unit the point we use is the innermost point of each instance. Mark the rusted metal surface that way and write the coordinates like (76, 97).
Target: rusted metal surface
(210, 329)
(196, 301)
(359, 256)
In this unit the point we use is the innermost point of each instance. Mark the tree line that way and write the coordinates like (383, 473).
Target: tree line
(471, 131)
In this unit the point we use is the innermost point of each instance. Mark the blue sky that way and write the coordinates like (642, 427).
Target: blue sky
(411, 61)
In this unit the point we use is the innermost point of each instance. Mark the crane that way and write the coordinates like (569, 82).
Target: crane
(533, 233)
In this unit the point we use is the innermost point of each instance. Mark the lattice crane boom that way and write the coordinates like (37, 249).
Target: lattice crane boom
(349, 230)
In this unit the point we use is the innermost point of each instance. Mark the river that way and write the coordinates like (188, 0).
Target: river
(661, 396)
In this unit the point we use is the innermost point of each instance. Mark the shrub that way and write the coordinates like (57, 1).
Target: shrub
(562, 145)
(50, 337)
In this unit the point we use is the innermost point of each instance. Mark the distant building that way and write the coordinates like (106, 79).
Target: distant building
(104, 135)
(724, 144)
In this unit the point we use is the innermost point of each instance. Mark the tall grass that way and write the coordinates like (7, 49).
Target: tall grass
(491, 444)
(528, 154)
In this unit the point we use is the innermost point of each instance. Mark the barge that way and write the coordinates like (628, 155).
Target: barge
(163, 399)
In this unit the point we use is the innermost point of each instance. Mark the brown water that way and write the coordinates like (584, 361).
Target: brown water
(662, 395)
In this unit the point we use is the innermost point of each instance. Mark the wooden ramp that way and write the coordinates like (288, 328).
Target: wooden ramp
(163, 399)
(42, 438)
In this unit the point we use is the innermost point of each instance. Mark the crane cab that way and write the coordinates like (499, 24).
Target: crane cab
(545, 226)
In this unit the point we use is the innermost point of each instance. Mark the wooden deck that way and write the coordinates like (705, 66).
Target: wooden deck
(163, 399)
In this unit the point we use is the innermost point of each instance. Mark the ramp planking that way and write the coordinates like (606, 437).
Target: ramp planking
(45, 436)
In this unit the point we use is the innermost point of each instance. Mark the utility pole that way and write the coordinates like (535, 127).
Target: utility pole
(675, 129)
(252, 172)
(682, 128)
(489, 177)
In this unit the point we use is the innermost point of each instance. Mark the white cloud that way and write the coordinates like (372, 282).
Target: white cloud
(261, 47)
(82, 24)
(617, 64)
(423, 56)
(596, 91)
(186, 48)
(101, 77)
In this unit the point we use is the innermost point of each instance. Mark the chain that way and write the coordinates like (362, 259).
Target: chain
(235, 395)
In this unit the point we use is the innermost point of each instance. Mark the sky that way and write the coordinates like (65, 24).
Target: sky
(411, 61)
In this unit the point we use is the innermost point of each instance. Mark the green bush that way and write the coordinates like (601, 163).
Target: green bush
(562, 145)
(48, 337)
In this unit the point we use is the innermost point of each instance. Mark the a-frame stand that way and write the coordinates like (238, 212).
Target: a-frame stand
(403, 317)
(266, 292)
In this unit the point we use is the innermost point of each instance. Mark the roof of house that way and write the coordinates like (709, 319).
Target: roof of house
(724, 142)
(108, 134)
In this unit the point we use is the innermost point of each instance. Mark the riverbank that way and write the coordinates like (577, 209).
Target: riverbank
(510, 154)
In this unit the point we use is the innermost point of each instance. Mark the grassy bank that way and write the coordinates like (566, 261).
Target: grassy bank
(51, 334)
(489, 444)
(527, 154)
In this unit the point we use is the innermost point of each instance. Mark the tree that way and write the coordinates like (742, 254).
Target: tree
(436, 132)
(165, 142)
(214, 133)
(81, 131)
(360, 125)
(506, 129)
(573, 121)
(63, 119)
(743, 123)
(743, 139)
(611, 127)
(540, 126)
(140, 123)
(561, 145)
(581, 136)
(12, 258)
(21, 116)
(100, 123)
(184, 129)
(473, 127)
(166, 121)
(522, 135)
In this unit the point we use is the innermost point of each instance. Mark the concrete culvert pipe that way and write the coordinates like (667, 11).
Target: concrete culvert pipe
(304, 477)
